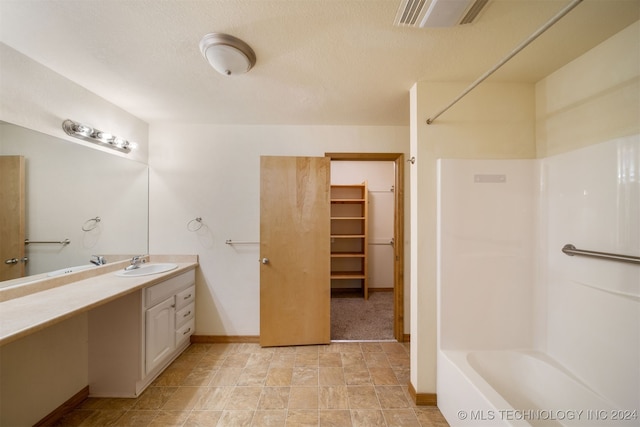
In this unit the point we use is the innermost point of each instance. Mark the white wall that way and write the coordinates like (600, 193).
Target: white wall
(588, 123)
(495, 121)
(486, 262)
(593, 99)
(592, 198)
(216, 176)
(35, 97)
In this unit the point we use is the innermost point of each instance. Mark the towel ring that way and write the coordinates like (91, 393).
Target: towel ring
(195, 224)
(91, 224)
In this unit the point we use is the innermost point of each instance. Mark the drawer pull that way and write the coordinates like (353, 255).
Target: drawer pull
(186, 332)
(188, 296)
(186, 314)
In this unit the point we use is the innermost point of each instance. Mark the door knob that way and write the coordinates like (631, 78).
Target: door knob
(265, 260)
(15, 260)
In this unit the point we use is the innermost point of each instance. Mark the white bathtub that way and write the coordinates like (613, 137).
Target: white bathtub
(519, 388)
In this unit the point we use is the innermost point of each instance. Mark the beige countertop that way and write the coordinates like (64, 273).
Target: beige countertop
(44, 303)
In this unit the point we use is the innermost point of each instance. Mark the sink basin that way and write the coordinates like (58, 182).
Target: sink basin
(146, 269)
(69, 270)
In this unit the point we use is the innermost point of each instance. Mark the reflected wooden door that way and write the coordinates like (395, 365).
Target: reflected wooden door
(295, 288)
(12, 222)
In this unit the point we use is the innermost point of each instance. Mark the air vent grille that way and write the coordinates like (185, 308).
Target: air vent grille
(437, 13)
(410, 13)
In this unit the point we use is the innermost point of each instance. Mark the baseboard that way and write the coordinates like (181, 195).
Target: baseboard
(225, 339)
(64, 409)
(423, 399)
(211, 339)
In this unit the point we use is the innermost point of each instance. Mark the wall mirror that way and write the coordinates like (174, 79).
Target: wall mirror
(68, 186)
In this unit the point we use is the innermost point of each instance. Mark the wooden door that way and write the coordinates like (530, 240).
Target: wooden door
(12, 217)
(295, 294)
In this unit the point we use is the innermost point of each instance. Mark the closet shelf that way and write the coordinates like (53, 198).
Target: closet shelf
(347, 200)
(349, 212)
(348, 275)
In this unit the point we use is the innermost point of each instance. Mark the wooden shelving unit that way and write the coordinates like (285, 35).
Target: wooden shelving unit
(349, 233)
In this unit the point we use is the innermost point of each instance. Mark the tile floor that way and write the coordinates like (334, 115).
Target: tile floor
(342, 384)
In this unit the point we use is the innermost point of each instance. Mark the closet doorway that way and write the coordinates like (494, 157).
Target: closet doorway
(381, 316)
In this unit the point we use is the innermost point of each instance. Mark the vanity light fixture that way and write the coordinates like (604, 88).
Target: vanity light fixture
(104, 139)
(228, 55)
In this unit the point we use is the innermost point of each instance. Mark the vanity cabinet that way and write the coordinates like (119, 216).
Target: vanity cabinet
(132, 339)
(168, 322)
(160, 333)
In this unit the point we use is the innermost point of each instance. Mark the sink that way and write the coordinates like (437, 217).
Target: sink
(69, 270)
(146, 269)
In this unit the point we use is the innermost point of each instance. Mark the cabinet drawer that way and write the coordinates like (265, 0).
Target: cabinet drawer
(185, 314)
(162, 291)
(185, 331)
(185, 297)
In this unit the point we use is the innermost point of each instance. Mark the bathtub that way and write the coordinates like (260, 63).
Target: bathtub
(519, 388)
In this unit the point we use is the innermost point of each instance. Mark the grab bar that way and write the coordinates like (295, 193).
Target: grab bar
(63, 242)
(571, 250)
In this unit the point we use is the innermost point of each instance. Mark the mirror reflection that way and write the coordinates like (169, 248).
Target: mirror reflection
(66, 187)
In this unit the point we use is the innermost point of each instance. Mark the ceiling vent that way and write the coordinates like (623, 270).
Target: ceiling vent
(437, 13)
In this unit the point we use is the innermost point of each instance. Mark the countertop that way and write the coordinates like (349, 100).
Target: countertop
(54, 300)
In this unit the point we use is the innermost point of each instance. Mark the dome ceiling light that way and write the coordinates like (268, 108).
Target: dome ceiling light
(228, 55)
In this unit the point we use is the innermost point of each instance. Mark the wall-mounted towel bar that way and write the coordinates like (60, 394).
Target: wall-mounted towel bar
(195, 224)
(91, 224)
(571, 250)
(235, 242)
(61, 242)
(381, 242)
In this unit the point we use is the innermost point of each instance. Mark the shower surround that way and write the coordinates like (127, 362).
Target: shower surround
(507, 292)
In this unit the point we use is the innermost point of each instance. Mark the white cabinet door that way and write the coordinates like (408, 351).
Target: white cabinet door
(160, 333)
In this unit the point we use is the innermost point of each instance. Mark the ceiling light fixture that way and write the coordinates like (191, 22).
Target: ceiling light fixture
(228, 55)
(104, 139)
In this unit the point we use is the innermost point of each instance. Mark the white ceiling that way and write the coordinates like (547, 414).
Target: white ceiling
(326, 62)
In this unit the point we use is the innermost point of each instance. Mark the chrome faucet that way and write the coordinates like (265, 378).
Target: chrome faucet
(135, 262)
(97, 260)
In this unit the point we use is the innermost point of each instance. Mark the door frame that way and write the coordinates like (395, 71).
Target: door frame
(398, 230)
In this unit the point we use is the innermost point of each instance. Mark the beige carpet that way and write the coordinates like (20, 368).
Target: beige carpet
(354, 318)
